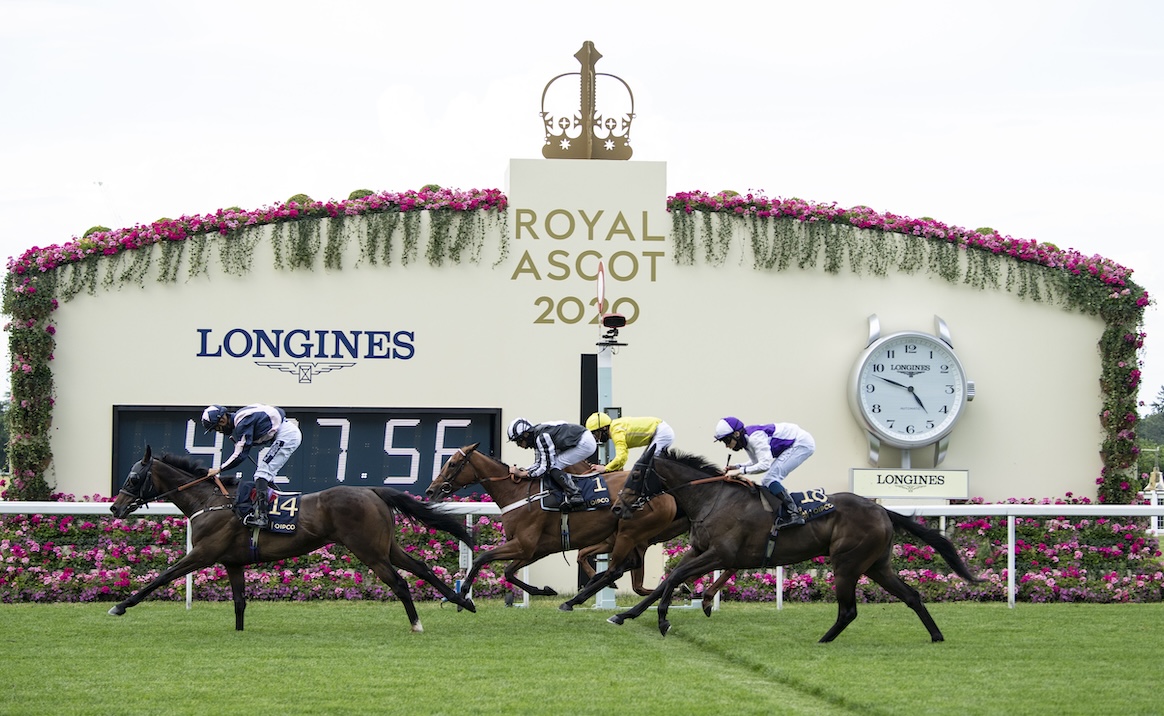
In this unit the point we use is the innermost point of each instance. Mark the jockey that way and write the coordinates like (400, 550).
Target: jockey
(774, 450)
(628, 433)
(254, 426)
(556, 446)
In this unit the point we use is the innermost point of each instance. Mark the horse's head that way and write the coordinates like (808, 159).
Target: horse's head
(138, 488)
(642, 485)
(454, 475)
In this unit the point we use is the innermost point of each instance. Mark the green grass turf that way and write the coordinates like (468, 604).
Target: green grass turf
(361, 658)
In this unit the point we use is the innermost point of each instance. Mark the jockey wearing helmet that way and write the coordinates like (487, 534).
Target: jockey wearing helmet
(774, 451)
(628, 433)
(556, 445)
(262, 426)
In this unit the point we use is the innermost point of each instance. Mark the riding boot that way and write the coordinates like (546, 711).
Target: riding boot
(574, 500)
(791, 514)
(258, 516)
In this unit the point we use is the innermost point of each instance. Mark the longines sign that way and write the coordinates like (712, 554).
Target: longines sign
(305, 353)
(927, 483)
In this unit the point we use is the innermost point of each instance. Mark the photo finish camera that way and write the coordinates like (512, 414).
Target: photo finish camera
(612, 322)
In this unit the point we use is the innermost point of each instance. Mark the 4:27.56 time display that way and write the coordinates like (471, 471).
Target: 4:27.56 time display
(401, 447)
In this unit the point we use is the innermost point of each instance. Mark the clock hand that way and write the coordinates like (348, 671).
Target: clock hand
(907, 387)
(918, 399)
(894, 382)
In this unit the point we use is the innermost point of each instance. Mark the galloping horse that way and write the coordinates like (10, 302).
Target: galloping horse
(360, 518)
(532, 533)
(729, 530)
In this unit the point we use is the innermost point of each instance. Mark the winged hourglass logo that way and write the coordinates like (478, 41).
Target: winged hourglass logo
(306, 370)
(587, 134)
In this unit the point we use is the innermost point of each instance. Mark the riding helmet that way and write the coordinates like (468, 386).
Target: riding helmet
(726, 427)
(211, 415)
(597, 421)
(519, 427)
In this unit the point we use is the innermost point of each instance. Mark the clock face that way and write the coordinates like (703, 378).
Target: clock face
(909, 388)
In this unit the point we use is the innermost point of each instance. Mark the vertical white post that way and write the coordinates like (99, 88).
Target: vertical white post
(189, 577)
(780, 587)
(1011, 589)
(606, 597)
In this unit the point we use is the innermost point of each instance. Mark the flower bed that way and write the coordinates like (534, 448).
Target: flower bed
(69, 558)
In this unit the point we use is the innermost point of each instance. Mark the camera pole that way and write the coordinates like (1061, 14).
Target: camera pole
(607, 345)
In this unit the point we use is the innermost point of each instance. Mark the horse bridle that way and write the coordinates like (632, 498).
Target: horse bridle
(647, 494)
(137, 477)
(447, 487)
(139, 474)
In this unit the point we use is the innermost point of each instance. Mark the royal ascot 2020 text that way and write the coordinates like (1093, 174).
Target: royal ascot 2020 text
(299, 343)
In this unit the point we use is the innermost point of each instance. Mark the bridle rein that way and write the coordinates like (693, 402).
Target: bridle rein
(449, 485)
(138, 478)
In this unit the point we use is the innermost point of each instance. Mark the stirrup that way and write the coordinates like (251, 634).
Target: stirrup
(255, 519)
(788, 520)
(573, 503)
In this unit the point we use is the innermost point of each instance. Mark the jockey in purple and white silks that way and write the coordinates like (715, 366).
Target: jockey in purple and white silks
(249, 427)
(556, 445)
(774, 450)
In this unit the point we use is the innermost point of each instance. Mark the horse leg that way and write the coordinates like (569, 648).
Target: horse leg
(192, 561)
(511, 577)
(398, 556)
(236, 573)
(636, 610)
(619, 565)
(399, 586)
(623, 555)
(882, 573)
(845, 573)
(511, 550)
(701, 564)
(710, 592)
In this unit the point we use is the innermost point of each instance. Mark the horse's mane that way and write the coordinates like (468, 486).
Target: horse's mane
(185, 464)
(691, 460)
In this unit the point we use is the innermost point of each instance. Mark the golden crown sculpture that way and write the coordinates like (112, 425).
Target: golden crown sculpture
(587, 135)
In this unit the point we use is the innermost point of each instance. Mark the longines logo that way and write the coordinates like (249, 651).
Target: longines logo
(301, 348)
(910, 370)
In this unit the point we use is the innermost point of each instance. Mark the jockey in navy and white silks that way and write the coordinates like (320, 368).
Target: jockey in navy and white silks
(559, 444)
(556, 445)
(260, 426)
(774, 450)
(252, 426)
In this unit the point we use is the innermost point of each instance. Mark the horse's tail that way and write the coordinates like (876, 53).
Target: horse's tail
(436, 518)
(936, 540)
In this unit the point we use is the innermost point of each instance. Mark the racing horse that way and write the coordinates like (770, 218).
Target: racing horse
(730, 528)
(532, 533)
(360, 518)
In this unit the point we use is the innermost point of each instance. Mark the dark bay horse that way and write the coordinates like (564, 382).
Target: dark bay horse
(360, 518)
(532, 533)
(729, 530)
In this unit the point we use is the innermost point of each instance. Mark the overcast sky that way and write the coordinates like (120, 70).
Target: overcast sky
(1043, 120)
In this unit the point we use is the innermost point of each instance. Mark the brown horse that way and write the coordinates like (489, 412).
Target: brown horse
(360, 518)
(730, 531)
(532, 533)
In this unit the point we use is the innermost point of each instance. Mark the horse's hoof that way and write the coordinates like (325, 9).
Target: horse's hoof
(468, 604)
(565, 607)
(707, 609)
(615, 620)
(417, 628)
(549, 592)
(664, 627)
(116, 610)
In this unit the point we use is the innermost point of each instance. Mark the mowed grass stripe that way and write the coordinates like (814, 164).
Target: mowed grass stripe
(359, 657)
